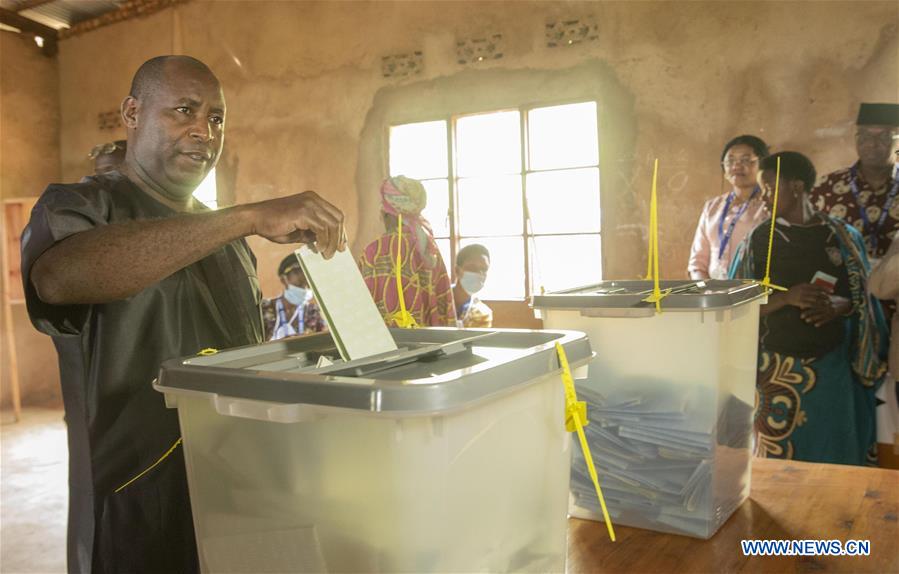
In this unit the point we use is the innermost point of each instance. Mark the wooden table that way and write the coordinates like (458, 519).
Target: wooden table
(789, 501)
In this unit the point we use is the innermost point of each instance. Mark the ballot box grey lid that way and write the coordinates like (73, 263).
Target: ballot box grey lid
(684, 295)
(434, 369)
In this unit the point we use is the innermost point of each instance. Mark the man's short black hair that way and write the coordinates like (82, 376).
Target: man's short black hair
(470, 251)
(288, 263)
(793, 167)
(758, 145)
(151, 73)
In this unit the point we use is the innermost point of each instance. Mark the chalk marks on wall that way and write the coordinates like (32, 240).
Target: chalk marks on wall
(674, 172)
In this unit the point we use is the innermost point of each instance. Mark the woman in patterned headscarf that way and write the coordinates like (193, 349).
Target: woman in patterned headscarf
(823, 339)
(427, 299)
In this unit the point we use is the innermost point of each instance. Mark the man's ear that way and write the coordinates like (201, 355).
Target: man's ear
(130, 108)
(797, 187)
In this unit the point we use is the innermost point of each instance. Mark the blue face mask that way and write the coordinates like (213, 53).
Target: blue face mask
(296, 295)
(472, 282)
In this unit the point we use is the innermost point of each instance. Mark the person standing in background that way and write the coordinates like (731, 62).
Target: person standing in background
(426, 293)
(821, 349)
(866, 194)
(294, 311)
(472, 265)
(728, 218)
(108, 157)
(884, 284)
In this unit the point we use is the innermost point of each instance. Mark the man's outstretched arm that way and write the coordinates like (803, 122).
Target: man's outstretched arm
(112, 262)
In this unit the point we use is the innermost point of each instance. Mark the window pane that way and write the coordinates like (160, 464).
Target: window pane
(488, 144)
(562, 262)
(505, 280)
(563, 136)
(437, 209)
(419, 150)
(443, 245)
(564, 201)
(206, 192)
(490, 205)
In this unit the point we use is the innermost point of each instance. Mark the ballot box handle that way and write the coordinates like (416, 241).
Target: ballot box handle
(265, 411)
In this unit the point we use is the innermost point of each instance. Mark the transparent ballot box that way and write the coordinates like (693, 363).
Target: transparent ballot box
(447, 455)
(669, 399)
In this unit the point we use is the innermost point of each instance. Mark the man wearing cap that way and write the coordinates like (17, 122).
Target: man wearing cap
(294, 311)
(865, 194)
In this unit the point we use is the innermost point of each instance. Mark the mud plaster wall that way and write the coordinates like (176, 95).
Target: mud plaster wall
(306, 95)
(29, 158)
(675, 81)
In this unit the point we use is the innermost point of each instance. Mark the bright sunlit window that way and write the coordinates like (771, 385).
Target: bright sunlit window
(522, 182)
(206, 192)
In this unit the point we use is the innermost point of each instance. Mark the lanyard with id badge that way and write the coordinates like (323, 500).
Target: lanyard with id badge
(724, 237)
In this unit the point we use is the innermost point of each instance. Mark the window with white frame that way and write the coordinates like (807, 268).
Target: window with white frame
(523, 182)
(206, 192)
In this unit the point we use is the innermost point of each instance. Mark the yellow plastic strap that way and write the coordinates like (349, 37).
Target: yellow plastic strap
(208, 351)
(576, 412)
(152, 466)
(576, 420)
(402, 318)
(650, 250)
(767, 280)
(652, 260)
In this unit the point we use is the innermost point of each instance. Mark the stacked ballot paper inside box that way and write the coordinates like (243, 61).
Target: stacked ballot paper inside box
(668, 460)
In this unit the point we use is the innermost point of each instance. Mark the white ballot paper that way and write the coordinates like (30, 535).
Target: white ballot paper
(353, 318)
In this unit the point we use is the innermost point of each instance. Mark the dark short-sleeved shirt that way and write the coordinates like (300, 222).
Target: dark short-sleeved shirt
(109, 354)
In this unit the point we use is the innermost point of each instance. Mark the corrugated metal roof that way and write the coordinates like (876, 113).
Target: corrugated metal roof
(73, 17)
(61, 13)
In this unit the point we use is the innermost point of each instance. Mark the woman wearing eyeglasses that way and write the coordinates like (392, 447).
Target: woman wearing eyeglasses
(728, 218)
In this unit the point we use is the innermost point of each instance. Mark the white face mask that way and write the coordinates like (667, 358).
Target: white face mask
(472, 282)
(296, 295)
